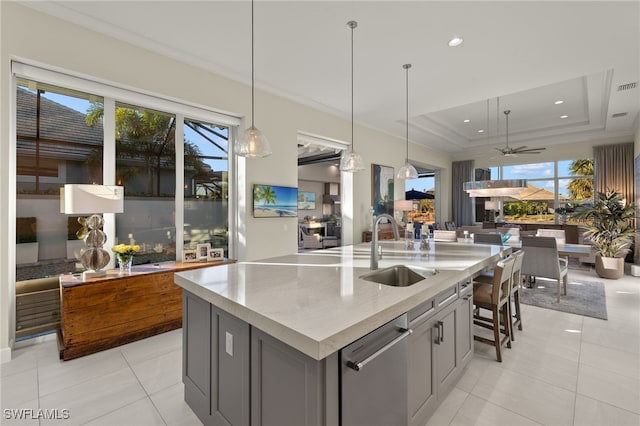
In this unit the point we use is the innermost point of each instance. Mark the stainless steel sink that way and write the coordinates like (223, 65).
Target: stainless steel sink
(399, 275)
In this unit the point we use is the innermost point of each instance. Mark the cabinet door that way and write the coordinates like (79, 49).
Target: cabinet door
(464, 330)
(421, 378)
(196, 365)
(286, 385)
(445, 348)
(229, 370)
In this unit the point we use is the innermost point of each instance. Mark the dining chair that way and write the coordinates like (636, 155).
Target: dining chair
(487, 238)
(542, 261)
(558, 234)
(494, 297)
(442, 235)
(515, 233)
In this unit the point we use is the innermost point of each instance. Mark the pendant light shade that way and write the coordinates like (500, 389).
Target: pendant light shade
(407, 171)
(254, 144)
(351, 161)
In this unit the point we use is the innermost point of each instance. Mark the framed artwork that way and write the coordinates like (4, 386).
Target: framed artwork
(216, 254)
(203, 251)
(189, 256)
(382, 181)
(275, 201)
(306, 200)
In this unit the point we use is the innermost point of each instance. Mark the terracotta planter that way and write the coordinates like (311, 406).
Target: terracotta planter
(609, 267)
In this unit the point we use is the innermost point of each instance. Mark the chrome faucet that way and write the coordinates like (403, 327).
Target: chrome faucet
(374, 237)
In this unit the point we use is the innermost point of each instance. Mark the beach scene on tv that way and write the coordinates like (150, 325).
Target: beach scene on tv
(275, 201)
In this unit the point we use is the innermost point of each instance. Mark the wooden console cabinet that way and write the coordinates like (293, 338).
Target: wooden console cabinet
(102, 313)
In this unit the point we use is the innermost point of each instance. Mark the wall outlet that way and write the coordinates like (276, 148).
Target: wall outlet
(228, 343)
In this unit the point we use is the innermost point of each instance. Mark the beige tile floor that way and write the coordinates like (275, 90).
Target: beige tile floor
(563, 369)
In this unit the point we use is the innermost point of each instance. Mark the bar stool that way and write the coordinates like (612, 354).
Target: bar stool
(495, 298)
(514, 295)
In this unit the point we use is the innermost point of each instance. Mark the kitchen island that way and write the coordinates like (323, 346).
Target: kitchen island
(263, 340)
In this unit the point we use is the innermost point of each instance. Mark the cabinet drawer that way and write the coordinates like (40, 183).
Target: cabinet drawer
(421, 312)
(447, 296)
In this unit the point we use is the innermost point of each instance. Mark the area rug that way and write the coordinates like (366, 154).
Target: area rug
(583, 297)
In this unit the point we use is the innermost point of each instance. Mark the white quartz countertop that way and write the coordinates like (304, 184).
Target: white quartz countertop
(317, 303)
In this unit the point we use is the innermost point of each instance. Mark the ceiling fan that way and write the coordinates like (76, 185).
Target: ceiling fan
(507, 151)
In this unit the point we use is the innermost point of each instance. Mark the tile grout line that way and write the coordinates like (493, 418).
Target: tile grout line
(148, 396)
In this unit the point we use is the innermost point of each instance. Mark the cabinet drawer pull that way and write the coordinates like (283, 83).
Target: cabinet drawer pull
(448, 299)
(441, 325)
(422, 316)
(358, 365)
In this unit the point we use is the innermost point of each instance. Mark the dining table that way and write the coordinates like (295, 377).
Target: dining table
(565, 250)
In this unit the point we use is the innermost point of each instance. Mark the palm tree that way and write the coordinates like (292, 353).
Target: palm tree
(257, 193)
(268, 196)
(581, 188)
(141, 135)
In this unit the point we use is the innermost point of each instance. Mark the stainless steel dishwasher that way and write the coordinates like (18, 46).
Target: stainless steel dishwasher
(373, 372)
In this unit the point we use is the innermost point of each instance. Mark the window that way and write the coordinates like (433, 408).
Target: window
(206, 185)
(554, 190)
(145, 166)
(55, 145)
(60, 138)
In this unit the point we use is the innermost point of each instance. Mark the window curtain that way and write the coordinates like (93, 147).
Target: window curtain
(461, 172)
(613, 169)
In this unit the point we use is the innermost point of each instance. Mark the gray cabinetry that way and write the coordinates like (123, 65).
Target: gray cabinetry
(215, 363)
(290, 388)
(196, 354)
(464, 317)
(439, 348)
(235, 374)
(421, 378)
(445, 347)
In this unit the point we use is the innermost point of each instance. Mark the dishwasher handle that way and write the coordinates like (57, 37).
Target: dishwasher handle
(358, 365)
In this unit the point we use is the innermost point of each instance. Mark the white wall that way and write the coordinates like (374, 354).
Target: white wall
(39, 39)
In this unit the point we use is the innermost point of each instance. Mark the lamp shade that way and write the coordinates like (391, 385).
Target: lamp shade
(491, 205)
(89, 199)
(495, 188)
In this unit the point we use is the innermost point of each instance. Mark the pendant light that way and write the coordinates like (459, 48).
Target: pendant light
(351, 161)
(407, 171)
(254, 143)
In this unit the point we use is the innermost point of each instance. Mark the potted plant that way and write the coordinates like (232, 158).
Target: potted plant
(610, 230)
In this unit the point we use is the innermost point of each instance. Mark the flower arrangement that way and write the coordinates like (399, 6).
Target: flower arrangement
(125, 252)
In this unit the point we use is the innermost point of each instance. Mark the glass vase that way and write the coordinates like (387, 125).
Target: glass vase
(125, 262)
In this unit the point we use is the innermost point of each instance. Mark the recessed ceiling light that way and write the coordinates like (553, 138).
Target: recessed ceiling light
(481, 131)
(455, 41)
(466, 121)
(558, 102)
(564, 116)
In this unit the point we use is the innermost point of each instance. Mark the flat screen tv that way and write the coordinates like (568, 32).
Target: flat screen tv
(275, 201)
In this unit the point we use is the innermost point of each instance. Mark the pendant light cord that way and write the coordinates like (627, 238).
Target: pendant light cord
(252, 73)
(406, 67)
(352, 24)
(506, 114)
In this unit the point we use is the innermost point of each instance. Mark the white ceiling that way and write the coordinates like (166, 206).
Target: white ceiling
(527, 54)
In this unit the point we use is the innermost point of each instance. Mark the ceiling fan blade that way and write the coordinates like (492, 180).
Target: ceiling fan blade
(530, 150)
